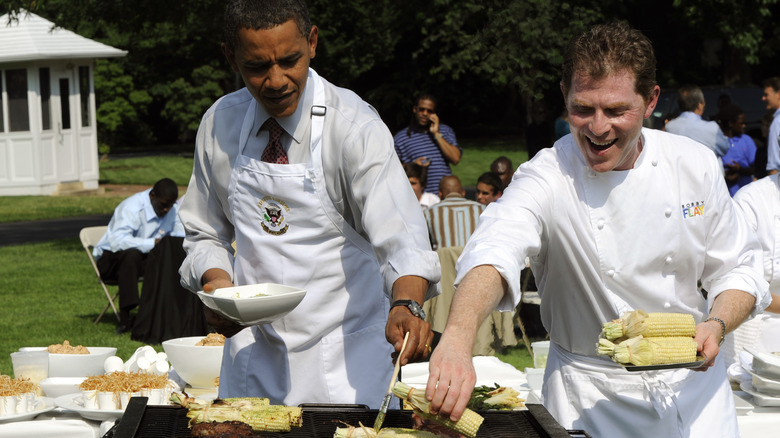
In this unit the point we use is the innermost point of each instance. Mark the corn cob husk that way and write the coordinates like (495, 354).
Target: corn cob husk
(256, 412)
(650, 325)
(386, 432)
(641, 351)
(468, 424)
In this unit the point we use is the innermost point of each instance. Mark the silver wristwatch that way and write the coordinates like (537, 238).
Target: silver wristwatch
(412, 305)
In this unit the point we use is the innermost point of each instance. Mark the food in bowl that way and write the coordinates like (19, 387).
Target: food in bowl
(198, 365)
(66, 348)
(212, 339)
(243, 305)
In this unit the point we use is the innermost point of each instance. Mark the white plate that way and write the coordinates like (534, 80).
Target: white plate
(42, 404)
(73, 402)
(760, 399)
(764, 385)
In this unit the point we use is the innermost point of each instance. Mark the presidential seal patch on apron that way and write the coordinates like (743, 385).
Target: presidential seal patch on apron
(273, 211)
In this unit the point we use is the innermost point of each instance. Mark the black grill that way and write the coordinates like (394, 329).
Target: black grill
(322, 421)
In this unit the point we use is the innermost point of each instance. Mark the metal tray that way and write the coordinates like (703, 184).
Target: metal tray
(668, 366)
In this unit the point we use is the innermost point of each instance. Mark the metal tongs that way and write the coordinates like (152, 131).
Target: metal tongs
(380, 417)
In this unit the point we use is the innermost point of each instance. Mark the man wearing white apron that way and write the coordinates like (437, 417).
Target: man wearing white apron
(614, 217)
(338, 219)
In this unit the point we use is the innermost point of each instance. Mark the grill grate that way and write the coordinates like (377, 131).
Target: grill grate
(171, 421)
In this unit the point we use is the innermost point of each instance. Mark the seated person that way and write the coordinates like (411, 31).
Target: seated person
(418, 178)
(451, 221)
(489, 188)
(502, 166)
(137, 225)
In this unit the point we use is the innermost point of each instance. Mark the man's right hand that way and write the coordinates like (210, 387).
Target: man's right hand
(451, 379)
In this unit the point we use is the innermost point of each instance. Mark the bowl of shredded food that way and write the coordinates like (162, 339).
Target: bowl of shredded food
(253, 304)
(66, 360)
(196, 359)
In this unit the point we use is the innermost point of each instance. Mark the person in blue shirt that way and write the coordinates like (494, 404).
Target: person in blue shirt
(739, 161)
(137, 225)
(428, 142)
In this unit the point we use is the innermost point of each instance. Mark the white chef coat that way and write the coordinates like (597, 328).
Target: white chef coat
(604, 243)
(759, 201)
(331, 348)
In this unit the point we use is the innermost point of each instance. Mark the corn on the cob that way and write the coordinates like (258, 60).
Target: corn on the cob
(386, 432)
(467, 425)
(641, 351)
(649, 325)
(256, 412)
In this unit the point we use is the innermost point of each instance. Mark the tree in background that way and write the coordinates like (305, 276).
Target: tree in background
(486, 60)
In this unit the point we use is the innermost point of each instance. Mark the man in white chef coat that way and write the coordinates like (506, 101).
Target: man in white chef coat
(302, 175)
(614, 217)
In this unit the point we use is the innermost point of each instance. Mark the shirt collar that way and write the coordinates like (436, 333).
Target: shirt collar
(292, 124)
(148, 208)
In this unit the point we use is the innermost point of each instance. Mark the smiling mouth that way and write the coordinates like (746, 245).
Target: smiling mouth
(601, 146)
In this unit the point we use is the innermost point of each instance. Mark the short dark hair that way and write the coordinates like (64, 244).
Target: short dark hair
(501, 160)
(729, 113)
(414, 170)
(492, 180)
(688, 97)
(611, 48)
(263, 14)
(166, 188)
(773, 82)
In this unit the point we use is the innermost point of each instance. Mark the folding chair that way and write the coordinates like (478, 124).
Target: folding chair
(89, 238)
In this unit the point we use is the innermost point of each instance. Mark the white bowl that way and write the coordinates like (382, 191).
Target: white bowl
(80, 365)
(58, 386)
(198, 365)
(241, 304)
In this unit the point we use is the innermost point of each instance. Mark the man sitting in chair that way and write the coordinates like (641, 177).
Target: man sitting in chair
(138, 224)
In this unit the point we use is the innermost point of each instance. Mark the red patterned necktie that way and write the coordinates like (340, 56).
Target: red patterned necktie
(274, 153)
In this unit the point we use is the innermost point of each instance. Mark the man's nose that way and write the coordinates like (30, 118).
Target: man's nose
(599, 124)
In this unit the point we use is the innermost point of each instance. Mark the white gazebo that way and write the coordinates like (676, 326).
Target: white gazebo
(48, 133)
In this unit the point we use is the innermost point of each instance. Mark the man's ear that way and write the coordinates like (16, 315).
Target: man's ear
(230, 56)
(313, 33)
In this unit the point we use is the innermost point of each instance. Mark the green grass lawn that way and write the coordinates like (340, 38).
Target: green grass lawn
(50, 293)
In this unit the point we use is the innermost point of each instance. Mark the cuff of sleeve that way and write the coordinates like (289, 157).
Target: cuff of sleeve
(758, 287)
(194, 266)
(412, 261)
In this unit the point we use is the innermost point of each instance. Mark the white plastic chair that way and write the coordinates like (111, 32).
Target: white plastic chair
(89, 238)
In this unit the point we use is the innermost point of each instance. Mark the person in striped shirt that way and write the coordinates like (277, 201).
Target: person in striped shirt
(428, 143)
(451, 221)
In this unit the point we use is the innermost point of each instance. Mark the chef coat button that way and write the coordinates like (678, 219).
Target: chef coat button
(655, 163)
(667, 305)
(668, 212)
(611, 272)
(601, 225)
(668, 260)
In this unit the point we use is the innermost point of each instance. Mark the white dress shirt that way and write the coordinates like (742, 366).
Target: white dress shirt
(134, 224)
(363, 178)
(604, 243)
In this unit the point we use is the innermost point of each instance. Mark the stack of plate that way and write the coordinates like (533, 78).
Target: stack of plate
(765, 385)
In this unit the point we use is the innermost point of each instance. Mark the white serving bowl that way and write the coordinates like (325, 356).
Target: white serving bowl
(241, 304)
(80, 365)
(198, 365)
(58, 386)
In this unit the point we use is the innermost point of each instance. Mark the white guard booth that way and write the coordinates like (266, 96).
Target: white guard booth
(48, 133)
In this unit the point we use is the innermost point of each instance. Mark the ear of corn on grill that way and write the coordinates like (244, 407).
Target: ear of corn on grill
(386, 432)
(649, 325)
(467, 425)
(256, 412)
(640, 338)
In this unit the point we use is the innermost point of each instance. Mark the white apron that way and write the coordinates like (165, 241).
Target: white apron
(332, 347)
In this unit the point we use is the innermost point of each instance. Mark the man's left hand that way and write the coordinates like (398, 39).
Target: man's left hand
(708, 336)
(418, 347)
